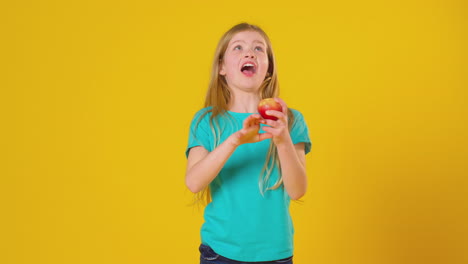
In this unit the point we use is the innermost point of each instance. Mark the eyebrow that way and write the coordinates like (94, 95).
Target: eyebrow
(255, 41)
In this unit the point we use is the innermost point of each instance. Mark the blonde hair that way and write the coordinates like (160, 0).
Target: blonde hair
(218, 97)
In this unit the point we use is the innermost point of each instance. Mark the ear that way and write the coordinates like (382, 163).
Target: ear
(222, 71)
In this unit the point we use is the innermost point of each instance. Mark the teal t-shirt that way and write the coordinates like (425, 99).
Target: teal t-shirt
(240, 223)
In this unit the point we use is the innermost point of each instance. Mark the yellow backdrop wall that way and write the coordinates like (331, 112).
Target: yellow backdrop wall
(97, 96)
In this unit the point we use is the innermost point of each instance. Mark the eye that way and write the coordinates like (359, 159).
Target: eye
(238, 47)
(258, 48)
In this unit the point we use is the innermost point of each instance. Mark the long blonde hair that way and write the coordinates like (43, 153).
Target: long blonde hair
(218, 97)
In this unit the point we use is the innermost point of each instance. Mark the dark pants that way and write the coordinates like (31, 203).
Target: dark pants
(208, 256)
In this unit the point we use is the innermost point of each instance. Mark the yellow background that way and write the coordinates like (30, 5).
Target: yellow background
(96, 99)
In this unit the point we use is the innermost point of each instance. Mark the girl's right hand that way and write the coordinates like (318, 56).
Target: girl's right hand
(249, 132)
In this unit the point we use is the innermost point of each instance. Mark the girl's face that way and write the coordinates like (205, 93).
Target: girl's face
(245, 62)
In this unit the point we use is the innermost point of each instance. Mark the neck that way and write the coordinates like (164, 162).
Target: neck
(244, 102)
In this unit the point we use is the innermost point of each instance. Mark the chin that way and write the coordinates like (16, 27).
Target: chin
(247, 85)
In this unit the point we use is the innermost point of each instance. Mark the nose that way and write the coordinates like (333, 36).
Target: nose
(249, 54)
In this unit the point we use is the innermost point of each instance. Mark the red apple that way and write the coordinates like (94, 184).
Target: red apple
(269, 104)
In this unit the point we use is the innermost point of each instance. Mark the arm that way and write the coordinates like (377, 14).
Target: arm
(204, 166)
(292, 157)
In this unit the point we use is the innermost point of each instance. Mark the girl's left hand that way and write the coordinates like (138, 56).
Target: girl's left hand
(279, 128)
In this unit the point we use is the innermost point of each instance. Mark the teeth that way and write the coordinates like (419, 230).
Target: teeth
(248, 65)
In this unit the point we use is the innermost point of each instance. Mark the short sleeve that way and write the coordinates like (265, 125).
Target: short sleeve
(200, 132)
(299, 131)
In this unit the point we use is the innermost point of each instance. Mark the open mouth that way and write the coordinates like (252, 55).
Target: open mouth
(248, 69)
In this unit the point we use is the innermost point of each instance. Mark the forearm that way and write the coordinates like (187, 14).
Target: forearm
(205, 170)
(292, 169)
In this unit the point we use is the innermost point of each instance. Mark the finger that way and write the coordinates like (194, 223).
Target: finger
(277, 114)
(253, 117)
(250, 120)
(270, 122)
(269, 130)
(256, 116)
(283, 104)
(264, 136)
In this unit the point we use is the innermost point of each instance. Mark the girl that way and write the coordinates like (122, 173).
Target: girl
(248, 168)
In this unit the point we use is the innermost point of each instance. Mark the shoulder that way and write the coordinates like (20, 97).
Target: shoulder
(296, 113)
(298, 121)
(202, 114)
(203, 111)
(201, 119)
(299, 130)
